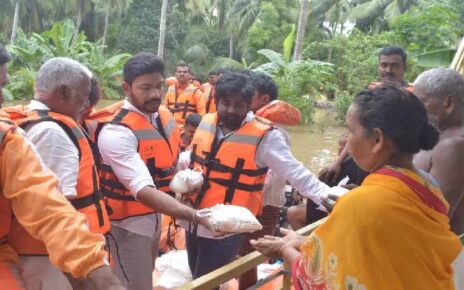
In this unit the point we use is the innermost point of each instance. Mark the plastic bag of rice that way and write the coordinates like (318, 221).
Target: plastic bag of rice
(231, 219)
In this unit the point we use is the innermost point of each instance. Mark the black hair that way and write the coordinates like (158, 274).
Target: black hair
(95, 91)
(394, 50)
(222, 71)
(400, 115)
(212, 73)
(141, 64)
(183, 64)
(4, 55)
(193, 119)
(264, 84)
(234, 84)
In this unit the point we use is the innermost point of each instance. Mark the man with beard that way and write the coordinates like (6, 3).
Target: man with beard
(139, 143)
(235, 149)
(442, 92)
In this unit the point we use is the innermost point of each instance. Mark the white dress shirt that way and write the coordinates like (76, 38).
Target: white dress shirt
(57, 150)
(118, 148)
(274, 153)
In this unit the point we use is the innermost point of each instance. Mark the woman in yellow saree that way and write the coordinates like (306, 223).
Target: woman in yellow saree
(392, 232)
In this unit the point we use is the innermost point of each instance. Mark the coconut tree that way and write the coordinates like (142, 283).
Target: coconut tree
(298, 54)
(162, 29)
(15, 21)
(109, 7)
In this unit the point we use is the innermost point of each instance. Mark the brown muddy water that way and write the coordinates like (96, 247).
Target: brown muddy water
(315, 144)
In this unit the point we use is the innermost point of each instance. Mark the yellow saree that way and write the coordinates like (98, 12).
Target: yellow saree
(391, 233)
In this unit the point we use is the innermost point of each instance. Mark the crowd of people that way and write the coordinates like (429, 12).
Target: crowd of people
(83, 190)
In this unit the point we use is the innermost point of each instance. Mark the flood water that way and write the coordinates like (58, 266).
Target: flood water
(315, 145)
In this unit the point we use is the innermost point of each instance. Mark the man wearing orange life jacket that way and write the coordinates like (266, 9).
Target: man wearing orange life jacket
(61, 92)
(235, 149)
(208, 90)
(138, 140)
(184, 98)
(265, 104)
(29, 193)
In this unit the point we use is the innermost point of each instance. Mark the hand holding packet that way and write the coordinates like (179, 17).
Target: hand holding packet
(231, 219)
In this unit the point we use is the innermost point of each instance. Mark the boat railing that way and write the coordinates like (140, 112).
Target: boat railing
(242, 265)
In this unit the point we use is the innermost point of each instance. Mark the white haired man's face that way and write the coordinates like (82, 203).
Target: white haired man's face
(74, 100)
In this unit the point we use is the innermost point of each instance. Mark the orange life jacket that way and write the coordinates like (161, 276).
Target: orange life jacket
(158, 148)
(196, 83)
(280, 112)
(183, 104)
(210, 103)
(6, 211)
(170, 81)
(406, 86)
(89, 200)
(229, 169)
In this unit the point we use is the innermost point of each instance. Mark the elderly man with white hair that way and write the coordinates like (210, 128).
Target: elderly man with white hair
(442, 92)
(61, 92)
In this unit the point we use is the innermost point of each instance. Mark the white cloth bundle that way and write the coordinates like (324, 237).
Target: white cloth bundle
(231, 219)
(173, 269)
(187, 181)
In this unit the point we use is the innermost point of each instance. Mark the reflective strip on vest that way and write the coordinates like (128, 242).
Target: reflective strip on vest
(170, 127)
(207, 127)
(147, 134)
(244, 139)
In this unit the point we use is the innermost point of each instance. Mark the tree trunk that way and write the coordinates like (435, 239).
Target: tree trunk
(15, 21)
(231, 46)
(40, 15)
(105, 29)
(162, 35)
(80, 11)
(298, 53)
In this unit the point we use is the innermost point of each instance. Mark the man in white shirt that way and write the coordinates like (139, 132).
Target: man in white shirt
(61, 92)
(139, 141)
(233, 123)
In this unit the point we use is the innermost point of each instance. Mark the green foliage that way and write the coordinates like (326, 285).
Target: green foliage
(355, 59)
(270, 28)
(342, 103)
(29, 53)
(429, 29)
(298, 81)
(141, 33)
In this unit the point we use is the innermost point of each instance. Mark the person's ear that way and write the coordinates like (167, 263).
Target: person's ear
(378, 139)
(265, 98)
(127, 88)
(450, 103)
(64, 93)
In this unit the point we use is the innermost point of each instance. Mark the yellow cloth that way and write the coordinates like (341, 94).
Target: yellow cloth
(44, 212)
(381, 235)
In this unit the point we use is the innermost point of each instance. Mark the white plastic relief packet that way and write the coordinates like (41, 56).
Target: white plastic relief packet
(173, 270)
(232, 219)
(187, 181)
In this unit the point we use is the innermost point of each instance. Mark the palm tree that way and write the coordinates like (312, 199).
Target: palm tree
(366, 13)
(298, 54)
(110, 6)
(15, 21)
(241, 16)
(80, 12)
(162, 30)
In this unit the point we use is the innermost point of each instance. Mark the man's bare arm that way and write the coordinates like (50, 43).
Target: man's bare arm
(448, 169)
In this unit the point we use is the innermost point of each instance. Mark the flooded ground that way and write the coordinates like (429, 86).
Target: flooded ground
(315, 145)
